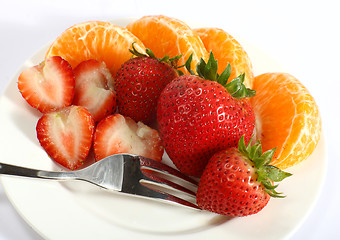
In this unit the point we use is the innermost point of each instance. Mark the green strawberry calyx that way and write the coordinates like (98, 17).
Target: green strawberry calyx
(267, 174)
(208, 71)
(148, 53)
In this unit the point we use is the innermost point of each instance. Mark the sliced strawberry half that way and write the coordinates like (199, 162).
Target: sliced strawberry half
(66, 135)
(118, 134)
(94, 89)
(48, 86)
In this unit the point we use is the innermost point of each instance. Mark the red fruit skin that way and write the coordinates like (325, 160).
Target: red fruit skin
(138, 84)
(48, 86)
(197, 118)
(66, 135)
(94, 89)
(229, 186)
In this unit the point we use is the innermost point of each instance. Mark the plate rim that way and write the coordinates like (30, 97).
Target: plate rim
(4, 179)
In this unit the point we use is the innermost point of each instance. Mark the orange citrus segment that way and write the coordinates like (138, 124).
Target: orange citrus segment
(165, 35)
(102, 41)
(227, 50)
(287, 117)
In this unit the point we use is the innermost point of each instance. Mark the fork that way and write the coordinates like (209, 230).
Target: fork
(126, 173)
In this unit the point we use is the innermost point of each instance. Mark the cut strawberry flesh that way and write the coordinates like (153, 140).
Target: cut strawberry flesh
(66, 135)
(119, 134)
(48, 86)
(94, 89)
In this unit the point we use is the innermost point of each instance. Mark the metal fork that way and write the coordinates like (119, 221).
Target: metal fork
(125, 173)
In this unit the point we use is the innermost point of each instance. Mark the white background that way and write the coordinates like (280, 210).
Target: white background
(304, 36)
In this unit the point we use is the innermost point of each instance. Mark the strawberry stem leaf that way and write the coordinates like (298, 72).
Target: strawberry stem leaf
(223, 78)
(267, 174)
(275, 174)
(238, 90)
(187, 65)
(166, 59)
(135, 52)
(150, 53)
(200, 67)
(208, 71)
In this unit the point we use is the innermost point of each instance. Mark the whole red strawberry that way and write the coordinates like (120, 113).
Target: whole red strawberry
(139, 82)
(239, 181)
(200, 115)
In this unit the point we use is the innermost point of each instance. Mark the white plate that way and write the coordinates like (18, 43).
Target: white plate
(79, 211)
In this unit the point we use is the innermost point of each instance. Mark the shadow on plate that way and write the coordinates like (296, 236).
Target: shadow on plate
(141, 214)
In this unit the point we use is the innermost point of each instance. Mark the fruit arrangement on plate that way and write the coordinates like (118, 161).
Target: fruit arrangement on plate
(158, 86)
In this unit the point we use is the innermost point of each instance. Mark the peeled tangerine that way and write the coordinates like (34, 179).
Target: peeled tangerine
(287, 117)
(227, 50)
(102, 41)
(166, 35)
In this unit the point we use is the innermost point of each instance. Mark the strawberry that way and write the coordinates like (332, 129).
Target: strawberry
(139, 82)
(66, 135)
(48, 86)
(94, 89)
(200, 115)
(239, 181)
(119, 134)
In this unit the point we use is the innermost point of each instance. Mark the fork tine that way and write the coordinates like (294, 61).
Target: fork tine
(162, 176)
(175, 199)
(146, 162)
(162, 180)
(168, 196)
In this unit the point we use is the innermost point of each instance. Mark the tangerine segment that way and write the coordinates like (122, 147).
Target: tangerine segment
(165, 35)
(227, 50)
(287, 117)
(98, 40)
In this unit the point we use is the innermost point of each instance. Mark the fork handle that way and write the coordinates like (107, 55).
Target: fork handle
(8, 169)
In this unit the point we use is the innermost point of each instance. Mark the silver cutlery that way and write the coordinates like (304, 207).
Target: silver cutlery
(125, 173)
